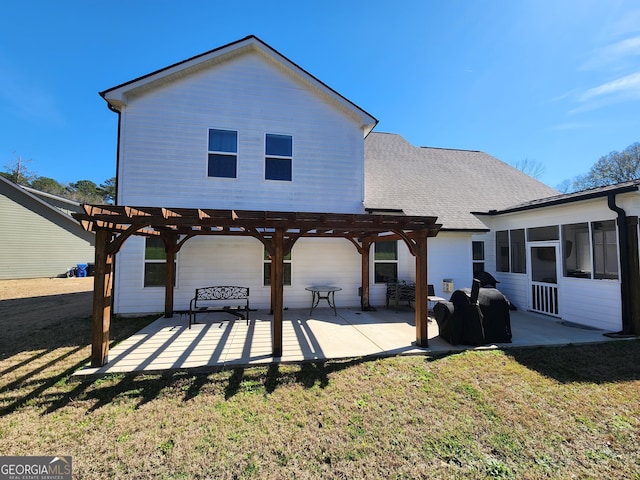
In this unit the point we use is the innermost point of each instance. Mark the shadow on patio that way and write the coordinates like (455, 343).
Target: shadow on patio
(220, 341)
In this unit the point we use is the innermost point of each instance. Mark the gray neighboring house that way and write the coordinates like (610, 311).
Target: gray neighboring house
(38, 236)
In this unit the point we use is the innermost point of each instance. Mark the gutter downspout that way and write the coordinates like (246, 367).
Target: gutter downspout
(115, 110)
(623, 239)
(114, 281)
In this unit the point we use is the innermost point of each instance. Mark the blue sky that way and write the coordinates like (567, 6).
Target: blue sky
(552, 81)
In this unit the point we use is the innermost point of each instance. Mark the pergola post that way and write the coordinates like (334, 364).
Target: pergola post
(170, 244)
(101, 315)
(365, 305)
(633, 284)
(422, 318)
(272, 280)
(277, 288)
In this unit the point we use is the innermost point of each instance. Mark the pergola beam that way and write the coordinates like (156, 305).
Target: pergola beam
(334, 224)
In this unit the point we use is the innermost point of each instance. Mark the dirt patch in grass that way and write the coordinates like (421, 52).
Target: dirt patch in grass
(43, 313)
(39, 287)
(540, 413)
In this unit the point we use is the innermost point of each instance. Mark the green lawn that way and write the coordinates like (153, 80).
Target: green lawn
(570, 412)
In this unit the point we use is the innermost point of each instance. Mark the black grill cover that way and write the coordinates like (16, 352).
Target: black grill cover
(450, 327)
(486, 279)
(461, 322)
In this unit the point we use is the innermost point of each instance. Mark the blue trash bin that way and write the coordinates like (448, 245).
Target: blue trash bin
(82, 269)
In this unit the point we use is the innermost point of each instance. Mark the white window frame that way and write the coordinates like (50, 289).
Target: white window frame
(511, 252)
(278, 157)
(156, 261)
(478, 261)
(266, 282)
(220, 152)
(584, 243)
(601, 246)
(386, 261)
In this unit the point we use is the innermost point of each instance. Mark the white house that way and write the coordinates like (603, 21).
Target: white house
(244, 128)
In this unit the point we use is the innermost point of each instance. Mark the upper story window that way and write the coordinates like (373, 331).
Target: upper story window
(278, 157)
(223, 153)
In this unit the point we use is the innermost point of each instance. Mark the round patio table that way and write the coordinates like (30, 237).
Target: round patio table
(323, 292)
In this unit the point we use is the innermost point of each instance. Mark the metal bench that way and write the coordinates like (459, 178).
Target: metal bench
(227, 299)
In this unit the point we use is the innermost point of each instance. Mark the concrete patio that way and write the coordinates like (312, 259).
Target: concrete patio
(220, 341)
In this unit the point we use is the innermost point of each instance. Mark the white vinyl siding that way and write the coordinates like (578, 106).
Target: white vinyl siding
(162, 149)
(600, 308)
(207, 261)
(449, 256)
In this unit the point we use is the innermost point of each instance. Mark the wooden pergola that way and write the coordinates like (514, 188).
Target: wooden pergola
(278, 231)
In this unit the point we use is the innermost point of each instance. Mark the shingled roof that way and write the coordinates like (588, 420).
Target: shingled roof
(444, 182)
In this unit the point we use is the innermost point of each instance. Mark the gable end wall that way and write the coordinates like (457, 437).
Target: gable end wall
(163, 148)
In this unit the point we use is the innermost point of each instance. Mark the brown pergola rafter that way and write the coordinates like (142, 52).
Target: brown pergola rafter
(278, 232)
(201, 221)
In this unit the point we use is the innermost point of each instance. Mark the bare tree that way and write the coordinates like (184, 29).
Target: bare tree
(564, 186)
(615, 167)
(533, 168)
(18, 172)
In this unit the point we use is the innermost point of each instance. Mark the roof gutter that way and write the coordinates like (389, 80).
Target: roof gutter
(119, 113)
(561, 200)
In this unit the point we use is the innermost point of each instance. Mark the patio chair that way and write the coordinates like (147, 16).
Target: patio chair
(400, 291)
(432, 299)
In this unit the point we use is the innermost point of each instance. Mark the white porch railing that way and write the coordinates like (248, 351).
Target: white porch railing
(544, 298)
